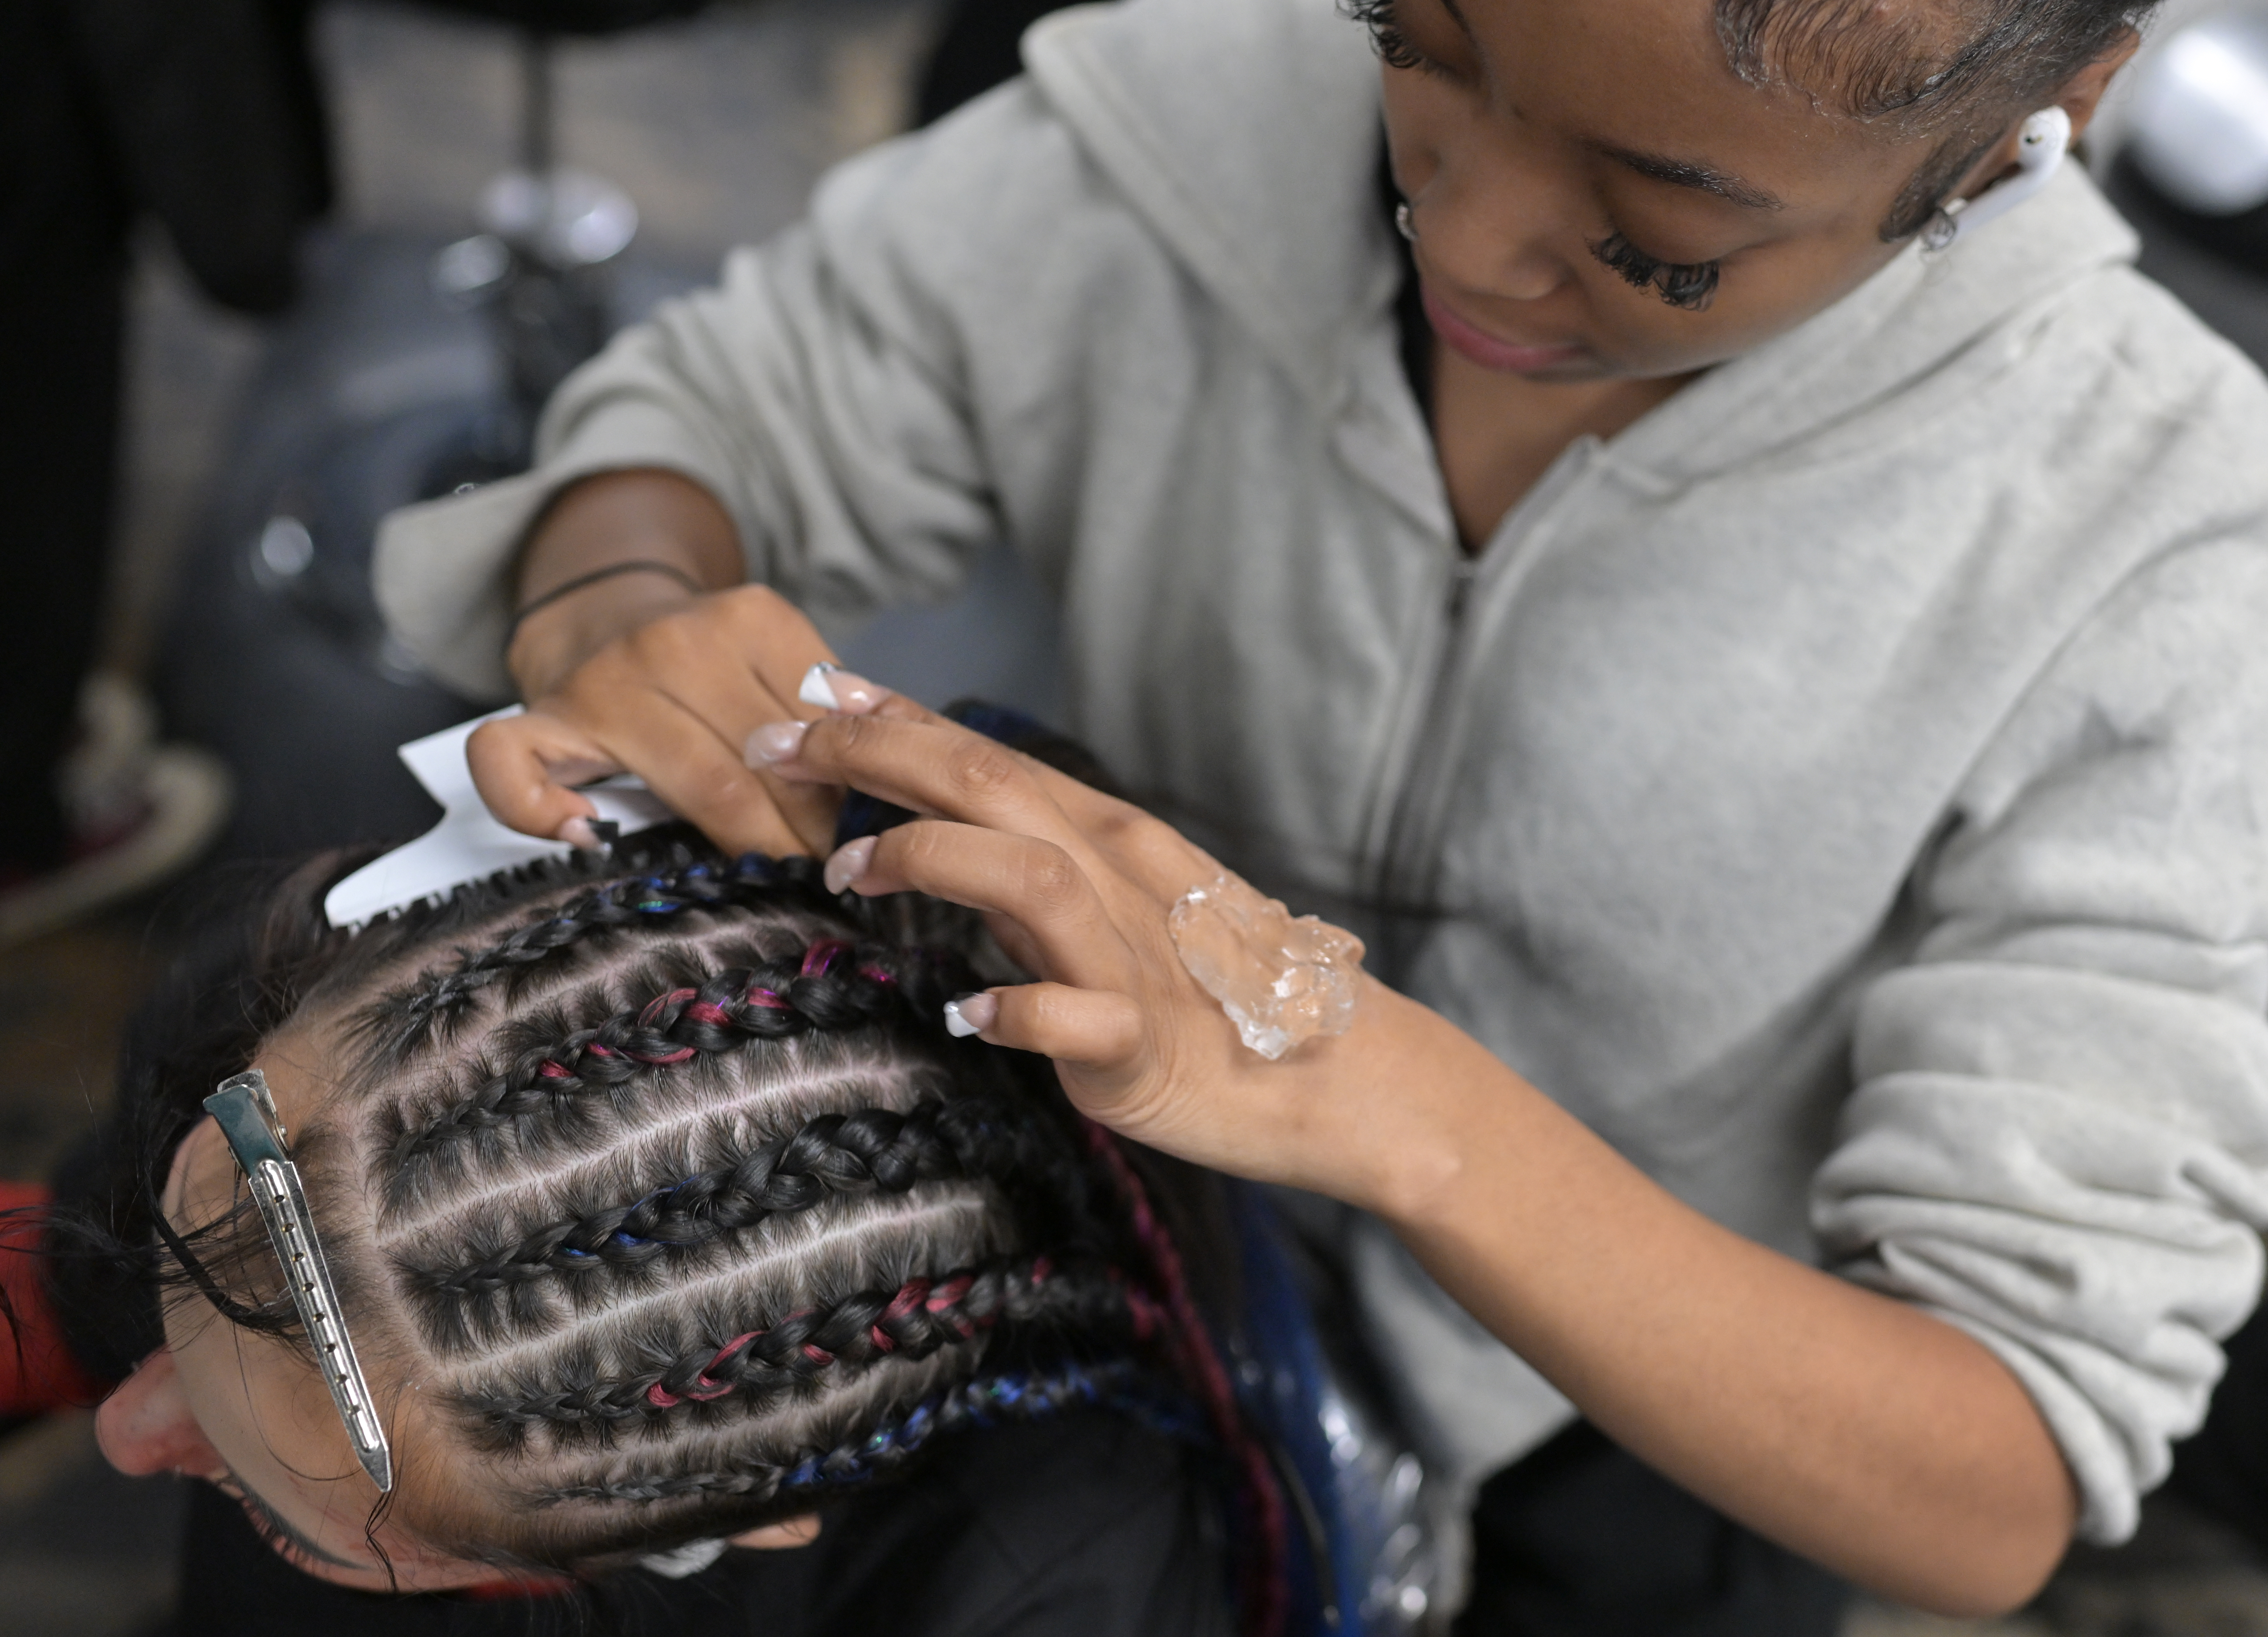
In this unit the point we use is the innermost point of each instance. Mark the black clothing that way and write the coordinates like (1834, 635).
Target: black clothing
(2224, 1468)
(1088, 1526)
(575, 17)
(976, 50)
(1581, 1539)
(203, 113)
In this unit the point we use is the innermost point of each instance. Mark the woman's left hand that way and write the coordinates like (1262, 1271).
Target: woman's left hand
(1078, 886)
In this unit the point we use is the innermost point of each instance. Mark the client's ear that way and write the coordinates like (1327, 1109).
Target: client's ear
(146, 1426)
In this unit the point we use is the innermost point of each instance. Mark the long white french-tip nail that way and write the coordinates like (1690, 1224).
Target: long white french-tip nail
(576, 833)
(971, 1015)
(774, 742)
(849, 861)
(831, 688)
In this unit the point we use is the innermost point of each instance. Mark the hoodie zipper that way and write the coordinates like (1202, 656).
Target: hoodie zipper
(1395, 871)
(1406, 851)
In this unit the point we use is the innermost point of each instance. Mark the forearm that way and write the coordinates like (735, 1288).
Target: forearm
(1847, 1425)
(649, 516)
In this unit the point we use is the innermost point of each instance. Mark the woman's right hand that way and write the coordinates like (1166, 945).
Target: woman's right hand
(637, 673)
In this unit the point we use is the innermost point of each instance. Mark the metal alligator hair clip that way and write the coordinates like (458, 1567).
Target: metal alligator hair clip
(246, 1111)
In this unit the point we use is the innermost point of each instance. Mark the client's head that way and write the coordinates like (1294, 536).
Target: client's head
(661, 1207)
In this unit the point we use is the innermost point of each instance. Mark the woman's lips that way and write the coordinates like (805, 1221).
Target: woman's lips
(1485, 350)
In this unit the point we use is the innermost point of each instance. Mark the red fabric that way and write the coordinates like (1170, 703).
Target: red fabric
(37, 1372)
(506, 1590)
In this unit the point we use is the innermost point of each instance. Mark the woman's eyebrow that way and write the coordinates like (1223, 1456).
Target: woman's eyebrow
(272, 1519)
(1683, 173)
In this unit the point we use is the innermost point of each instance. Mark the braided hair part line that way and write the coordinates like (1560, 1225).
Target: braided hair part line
(867, 1150)
(833, 986)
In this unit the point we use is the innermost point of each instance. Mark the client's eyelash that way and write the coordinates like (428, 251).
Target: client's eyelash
(1686, 284)
(1386, 36)
(269, 1527)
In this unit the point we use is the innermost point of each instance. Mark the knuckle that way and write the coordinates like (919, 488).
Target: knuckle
(912, 848)
(668, 642)
(1052, 879)
(981, 769)
(843, 740)
(751, 604)
(490, 741)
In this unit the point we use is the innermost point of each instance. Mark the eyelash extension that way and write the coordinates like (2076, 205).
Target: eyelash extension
(263, 1524)
(1386, 39)
(271, 1529)
(1686, 284)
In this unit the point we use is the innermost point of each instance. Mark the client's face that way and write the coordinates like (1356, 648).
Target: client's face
(250, 1413)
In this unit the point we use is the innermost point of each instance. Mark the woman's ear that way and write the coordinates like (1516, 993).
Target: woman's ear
(146, 1427)
(2079, 97)
(2082, 93)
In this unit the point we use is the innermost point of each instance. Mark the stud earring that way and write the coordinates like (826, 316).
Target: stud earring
(1402, 224)
(2041, 145)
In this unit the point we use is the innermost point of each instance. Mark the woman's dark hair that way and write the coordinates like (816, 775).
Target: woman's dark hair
(1963, 69)
(665, 1186)
(1967, 69)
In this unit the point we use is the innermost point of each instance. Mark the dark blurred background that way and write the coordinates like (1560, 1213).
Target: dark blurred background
(372, 322)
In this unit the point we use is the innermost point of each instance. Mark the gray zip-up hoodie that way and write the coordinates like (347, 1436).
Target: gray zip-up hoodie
(1846, 789)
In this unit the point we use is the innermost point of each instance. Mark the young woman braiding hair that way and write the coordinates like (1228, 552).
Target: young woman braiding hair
(1720, 572)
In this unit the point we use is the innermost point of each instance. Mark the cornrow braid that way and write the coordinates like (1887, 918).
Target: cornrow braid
(984, 1401)
(752, 880)
(910, 1323)
(836, 986)
(870, 1150)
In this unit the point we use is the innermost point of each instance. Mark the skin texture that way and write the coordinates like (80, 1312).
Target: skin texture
(247, 1412)
(1848, 1426)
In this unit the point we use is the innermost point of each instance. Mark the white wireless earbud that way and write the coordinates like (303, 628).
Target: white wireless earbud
(2040, 148)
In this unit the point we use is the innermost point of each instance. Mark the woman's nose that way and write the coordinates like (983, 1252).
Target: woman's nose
(1494, 235)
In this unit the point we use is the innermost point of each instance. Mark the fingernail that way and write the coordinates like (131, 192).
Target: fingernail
(576, 832)
(831, 688)
(971, 1015)
(773, 742)
(849, 863)
(816, 690)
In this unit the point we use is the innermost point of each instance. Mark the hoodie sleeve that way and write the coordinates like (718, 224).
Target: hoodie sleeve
(821, 393)
(2060, 1137)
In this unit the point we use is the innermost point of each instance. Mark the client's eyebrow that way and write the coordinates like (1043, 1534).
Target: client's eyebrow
(271, 1520)
(1685, 173)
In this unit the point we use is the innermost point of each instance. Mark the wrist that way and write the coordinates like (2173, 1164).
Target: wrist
(1390, 1126)
(576, 591)
(551, 642)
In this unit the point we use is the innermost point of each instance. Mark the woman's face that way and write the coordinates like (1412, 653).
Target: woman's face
(1552, 152)
(250, 1413)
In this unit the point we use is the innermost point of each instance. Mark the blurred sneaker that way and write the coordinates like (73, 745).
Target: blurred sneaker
(141, 814)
